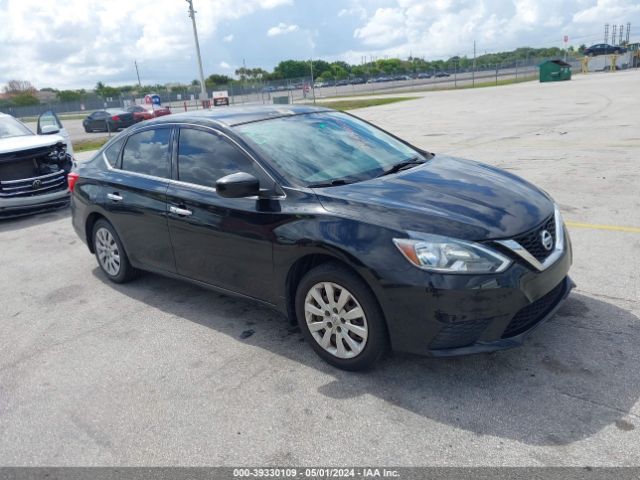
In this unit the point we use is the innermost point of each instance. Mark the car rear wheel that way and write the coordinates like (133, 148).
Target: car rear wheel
(110, 253)
(340, 317)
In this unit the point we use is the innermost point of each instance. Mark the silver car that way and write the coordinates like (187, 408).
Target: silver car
(33, 167)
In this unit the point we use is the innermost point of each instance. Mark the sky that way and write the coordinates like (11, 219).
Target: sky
(76, 43)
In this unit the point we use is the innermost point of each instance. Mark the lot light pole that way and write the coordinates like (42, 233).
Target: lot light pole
(473, 75)
(192, 15)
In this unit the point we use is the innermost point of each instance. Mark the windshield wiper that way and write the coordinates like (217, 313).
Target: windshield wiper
(401, 166)
(332, 183)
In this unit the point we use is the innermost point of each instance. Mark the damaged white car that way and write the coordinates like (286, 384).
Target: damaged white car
(33, 167)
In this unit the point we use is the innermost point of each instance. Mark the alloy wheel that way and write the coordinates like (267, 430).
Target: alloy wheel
(108, 252)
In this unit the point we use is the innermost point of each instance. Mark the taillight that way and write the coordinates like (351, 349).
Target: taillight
(72, 178)
(115, 118)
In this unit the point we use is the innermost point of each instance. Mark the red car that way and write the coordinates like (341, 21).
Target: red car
(145, 112)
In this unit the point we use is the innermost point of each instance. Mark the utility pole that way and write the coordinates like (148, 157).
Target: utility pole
(313, 88)
(135, 62)
(192, 15)
(606, 33)
(473, 76)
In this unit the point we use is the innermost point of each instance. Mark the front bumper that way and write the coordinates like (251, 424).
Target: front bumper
(449, 315)
(19, 206)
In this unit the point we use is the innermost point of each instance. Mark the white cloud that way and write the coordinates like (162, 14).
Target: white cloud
(385, 27)
(616, 11)
(228, 38)
(225, 65)
(75, 43)
(282, 29)
(356, 11)
(443, 28)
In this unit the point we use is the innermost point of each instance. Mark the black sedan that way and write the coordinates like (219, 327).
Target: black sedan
(604, 49)
(109, 120)
(365, 240)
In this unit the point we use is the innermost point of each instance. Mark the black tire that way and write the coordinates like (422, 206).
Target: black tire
(87, 130)
(125, 271)
(377, 338)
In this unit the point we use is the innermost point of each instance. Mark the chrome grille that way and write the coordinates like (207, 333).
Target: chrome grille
(532, 240)
(28, 187)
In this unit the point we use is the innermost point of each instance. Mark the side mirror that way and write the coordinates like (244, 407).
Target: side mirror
(48, 123)
(49, 130)
(238, 185)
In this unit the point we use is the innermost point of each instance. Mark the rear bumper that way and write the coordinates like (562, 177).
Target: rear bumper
(448, 315)
(16, 207)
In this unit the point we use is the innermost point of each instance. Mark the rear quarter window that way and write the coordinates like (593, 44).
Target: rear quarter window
(112, 152)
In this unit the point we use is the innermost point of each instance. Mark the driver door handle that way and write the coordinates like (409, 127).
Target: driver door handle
(183, 212)
(114, 197)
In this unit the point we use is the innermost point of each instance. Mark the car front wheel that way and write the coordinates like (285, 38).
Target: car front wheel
(110, 253)
(340, 317)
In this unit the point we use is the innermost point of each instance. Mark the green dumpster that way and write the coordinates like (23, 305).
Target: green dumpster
(554, 71)
(281, 100)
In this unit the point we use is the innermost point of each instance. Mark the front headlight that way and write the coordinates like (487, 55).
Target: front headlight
(449, 255)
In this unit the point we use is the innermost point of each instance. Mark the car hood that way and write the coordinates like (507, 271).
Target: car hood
(445, 196)
(27, 142)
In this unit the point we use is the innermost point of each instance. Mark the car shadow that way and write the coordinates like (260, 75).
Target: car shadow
(34, 219)
(575, 375)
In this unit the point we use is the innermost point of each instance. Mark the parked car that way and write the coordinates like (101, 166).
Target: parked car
(147, 111)
(362, 238)
(441, 74)
(424, 75)
(33, 167)
(109, 120)
(604, 49)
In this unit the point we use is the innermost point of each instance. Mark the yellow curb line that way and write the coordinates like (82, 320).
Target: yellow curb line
(603, 227)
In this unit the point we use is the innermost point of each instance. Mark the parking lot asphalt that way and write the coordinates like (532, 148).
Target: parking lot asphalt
(158, 372)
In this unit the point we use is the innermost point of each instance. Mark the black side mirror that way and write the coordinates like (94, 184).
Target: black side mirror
(238, 185)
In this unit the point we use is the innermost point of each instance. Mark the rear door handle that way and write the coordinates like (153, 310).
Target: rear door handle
(183, 212)
(114, 197)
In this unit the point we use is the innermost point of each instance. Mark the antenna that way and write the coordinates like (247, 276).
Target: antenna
(606, 33)
(621, 34)
(614, 29)
(628, 32)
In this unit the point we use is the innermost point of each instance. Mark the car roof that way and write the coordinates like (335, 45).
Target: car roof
(230, 116)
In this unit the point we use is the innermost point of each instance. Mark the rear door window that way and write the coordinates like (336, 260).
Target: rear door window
(147, 152)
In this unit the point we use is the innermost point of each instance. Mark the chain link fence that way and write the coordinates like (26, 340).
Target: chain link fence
(304, 90)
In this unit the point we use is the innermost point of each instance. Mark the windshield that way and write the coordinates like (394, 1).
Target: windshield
(325, 147)
(10, 127)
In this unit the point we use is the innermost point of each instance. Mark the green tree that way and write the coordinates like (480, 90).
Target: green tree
(216, 80)
(69, 95)
(24, 99)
